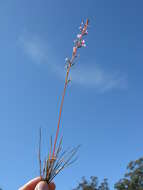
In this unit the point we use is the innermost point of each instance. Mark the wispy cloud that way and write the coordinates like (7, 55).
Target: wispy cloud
(99, 78)
(40, 53)
(34, 48)
(93, 76)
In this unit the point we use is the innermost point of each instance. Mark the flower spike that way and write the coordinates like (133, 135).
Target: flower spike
(57, 160)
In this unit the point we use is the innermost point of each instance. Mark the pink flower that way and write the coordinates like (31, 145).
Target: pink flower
(83, 43)
(79, 36)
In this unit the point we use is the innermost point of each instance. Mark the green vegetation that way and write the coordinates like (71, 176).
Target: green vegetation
(132, 180)
(92, 184)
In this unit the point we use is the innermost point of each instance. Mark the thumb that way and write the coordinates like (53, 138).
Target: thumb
(42, 185)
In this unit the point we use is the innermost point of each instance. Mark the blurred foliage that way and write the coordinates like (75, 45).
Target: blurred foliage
(92, 184)
(133, 179)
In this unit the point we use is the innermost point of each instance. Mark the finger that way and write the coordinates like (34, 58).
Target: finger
(52, 186)
(31, 184)
(42, 185)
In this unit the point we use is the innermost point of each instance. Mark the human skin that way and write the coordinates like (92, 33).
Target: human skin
(38, 184)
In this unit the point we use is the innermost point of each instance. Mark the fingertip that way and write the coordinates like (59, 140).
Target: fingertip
(42, 185)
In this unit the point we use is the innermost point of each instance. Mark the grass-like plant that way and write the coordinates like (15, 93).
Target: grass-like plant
(58, 160)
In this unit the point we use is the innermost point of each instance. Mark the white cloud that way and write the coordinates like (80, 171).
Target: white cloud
(97, 77)
(39, 52)
(94, 77)
(34, 48)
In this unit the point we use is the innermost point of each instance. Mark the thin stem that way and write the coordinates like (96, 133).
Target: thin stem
(61, 107)
(40, 152)
(65, 86)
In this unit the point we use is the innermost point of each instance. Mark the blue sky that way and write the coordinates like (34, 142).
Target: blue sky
(103, 105)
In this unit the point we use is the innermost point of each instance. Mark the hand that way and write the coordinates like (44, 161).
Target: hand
(38, 184)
